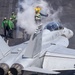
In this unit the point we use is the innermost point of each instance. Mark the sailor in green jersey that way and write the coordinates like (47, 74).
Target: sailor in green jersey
(5, 26)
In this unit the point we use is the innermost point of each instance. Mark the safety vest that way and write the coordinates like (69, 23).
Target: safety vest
(38, 16)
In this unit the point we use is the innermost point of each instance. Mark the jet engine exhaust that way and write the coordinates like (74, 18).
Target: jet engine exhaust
(3, 68)
(16, 69)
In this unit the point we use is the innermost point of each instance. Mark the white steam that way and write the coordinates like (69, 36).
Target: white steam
(54, 15)
(26, 13)
(26, 17)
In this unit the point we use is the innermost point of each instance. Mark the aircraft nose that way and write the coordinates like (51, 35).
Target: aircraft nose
(70, 33)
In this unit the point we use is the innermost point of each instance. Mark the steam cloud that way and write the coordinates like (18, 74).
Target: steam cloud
(26, 13)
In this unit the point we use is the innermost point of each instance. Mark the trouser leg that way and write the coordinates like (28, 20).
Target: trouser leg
(15, 24)
(5, 32)
(10, 33)
(38, 21)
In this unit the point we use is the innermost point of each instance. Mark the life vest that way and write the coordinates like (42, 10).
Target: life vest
(38, 16)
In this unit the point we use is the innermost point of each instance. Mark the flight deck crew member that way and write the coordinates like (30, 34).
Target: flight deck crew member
(11, 27)
(13, 16)
(37, 14)
(5, 26)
